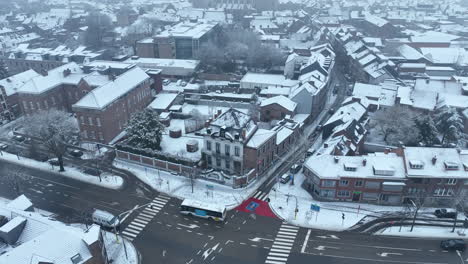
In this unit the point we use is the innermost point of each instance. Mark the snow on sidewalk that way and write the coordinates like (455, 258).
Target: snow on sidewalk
(180, 186)
(108, 180)
(422, 231)
(116, 251)
(283, 203)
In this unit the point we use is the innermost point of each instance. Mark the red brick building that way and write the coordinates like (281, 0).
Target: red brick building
(259, 152)
(103, 113)
(277, 108)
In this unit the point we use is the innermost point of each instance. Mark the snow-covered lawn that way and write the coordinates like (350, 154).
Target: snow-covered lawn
(180, 187)
(108, 180)
(330, 215)
(422, 231)
(116, 251)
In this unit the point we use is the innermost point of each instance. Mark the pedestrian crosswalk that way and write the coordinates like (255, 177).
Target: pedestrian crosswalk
(282, 245)
(260, 195)
(144, 217)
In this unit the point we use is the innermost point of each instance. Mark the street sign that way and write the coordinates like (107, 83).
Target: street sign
(315, 207)
(357, 192)
(252, 206)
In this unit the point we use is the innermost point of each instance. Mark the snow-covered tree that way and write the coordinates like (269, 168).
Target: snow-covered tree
(55, 129)
(3, 70)
(396, 125)
(427, 130)
(449, 124)
(144, 130)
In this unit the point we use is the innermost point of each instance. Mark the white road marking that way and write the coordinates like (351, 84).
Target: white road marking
(306, 240)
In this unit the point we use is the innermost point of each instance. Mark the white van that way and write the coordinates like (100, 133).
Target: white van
(104, 218)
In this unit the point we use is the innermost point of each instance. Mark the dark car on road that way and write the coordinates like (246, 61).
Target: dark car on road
(76, 153)
(453, 244)
(285, 178)
(18, 138)
(295, 168)
(443, 213)
(54, 162)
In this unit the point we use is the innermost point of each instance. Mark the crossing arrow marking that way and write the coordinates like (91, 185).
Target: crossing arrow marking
(386, 254)
(325, 247)
(209, 251)
(191, 226)
(258, 239)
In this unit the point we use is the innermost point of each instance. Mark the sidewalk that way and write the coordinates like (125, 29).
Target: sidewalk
(423, 231)
(116, 251)
(108, 180)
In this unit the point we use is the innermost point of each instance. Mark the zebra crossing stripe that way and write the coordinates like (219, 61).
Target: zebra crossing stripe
(257, 194)
(137, 224)
(144, 217)
(274, 262)
(263, 196)
(285, 240)
(280, 250)
(278, 258)
(141, 221)
(282, 247)
(282, 243)
(156, 202)
(137, 228)
(278, 254)
(290, 226)
(286, 236)
(130, 231)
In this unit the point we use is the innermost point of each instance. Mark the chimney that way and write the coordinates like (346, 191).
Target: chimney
(244, 133)
(208, 131)
(364, 162)
(44, 72)
(434, 160)
(387, 150)
(336, 159)
(8, 80)
(219, 112)
(325, 145)
(207, 123)
(111, 77)
(236, 136)
(66, 72)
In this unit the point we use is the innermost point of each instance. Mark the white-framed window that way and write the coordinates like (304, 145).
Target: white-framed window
(208, 145)
(82, 120)
(327, 193)
(344, 182)
(443, 192)
(53, 100)
(451, 181)
(218, 162)
(227, 150)
(85, 134)
(38, 105)
(237, 151)
(228, 164)
(101, 137)
(46, 105)
(93, 134)
(90, 120)
(328, 183)
(31, 105)
(25, 105)
(98, 121)
(343, 193)
(218, 148)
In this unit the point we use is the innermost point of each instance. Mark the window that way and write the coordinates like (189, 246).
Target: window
(358, 183)
(38, 105)
(208, 160)
(98, 121)
(370, 196)
(93, 135)
(46, 105)
(82, 120)
(328, 183)
(343, 193)
(372, 185)
(25, 105)
(228, 164)
(53, 100)
(100, 136)
(31, 105)
(443, 192)
(350, 167)
(450, 165)
(227, 149)
(327, 193)
(218, 148)
(85, 134)
(416, 164)
(218, 162)
(344, 183)
(237, 151)
(208, 145)
(451, 181)
(90, 121)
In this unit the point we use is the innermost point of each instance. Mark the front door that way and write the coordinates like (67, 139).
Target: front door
(356, 197)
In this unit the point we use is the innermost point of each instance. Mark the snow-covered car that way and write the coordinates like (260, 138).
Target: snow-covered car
(76, 153)
(453, 244)
(285, 178)
(3, 146)
(295, 168)
(166, 81)
(54, 162)
(443, 213)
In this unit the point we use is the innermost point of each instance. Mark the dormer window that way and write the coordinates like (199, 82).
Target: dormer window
(350, 167)
(449, 165)
(416, 164)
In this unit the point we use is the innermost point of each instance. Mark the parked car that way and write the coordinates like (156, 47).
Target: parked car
(54, 162)
(166, 81)
(76, 153)
(285, 178)
(310, 152)
(443, 213)
(453, 244)
(295, 168)
(18, 138)
(105, 219)
(3, 146)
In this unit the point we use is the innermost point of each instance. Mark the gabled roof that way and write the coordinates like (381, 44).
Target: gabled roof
(102, 96)
(13, 83)
(260, 137)
(282, 101)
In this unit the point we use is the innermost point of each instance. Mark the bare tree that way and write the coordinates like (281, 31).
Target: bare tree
(417, 199)
(15, 179)
(396, 123)
(55, 129)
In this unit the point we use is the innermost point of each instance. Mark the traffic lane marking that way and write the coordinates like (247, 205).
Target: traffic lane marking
(360, 245)
(372, 259)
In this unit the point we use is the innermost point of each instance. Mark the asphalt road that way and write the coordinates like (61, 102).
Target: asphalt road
(243, 238)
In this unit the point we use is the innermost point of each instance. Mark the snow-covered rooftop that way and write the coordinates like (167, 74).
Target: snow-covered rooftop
(437, 169)
(163, 101)
(13, 83)
(102, 96)
(281, 101)
(188, 30)
(260, 137)
(381, 166)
